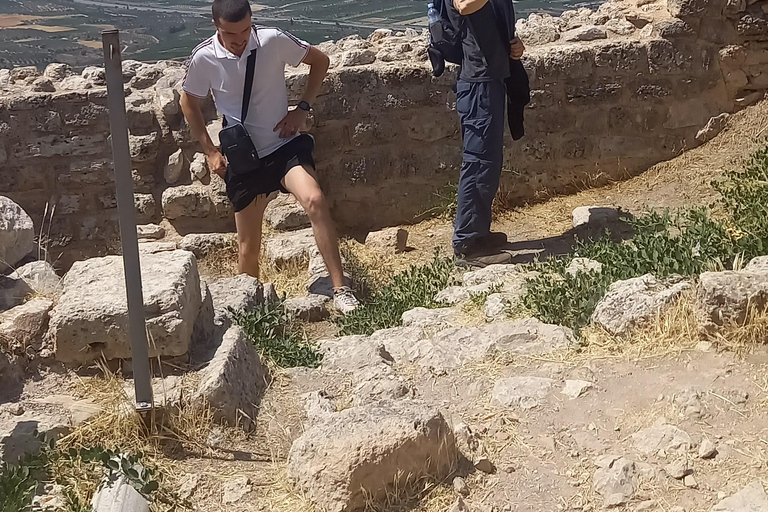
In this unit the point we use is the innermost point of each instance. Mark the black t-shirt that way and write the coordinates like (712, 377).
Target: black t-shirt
(486, 53)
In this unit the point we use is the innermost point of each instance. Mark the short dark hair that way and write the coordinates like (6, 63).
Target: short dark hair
(231, 11)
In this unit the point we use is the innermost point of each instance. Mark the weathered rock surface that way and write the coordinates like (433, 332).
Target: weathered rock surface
(241, 293)
(751, 498)
(453, 347)
(312, 308)
(40, 276)
(440, 318)
(17, 234)
(234, 381)
(286, 214)
(617, 481)
(24, 325)
(726, 297)
(573, 389)
(203, 244)
(362, 453)
(119, 496)
(91, 317)
(631, 303)
(294, 248)
(667, 438)
(13, 292)
(523, 392)
(389, 239)
(150, 231)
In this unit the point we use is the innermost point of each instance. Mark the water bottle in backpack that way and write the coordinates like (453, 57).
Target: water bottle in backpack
(432, 15)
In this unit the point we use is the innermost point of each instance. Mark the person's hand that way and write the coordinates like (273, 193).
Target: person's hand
(517, 48)
(217, 163)
(291, 123)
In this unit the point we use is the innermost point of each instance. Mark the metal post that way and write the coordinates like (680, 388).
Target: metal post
(126, 211)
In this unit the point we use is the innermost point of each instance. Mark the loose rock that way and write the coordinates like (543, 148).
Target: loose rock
(24, 325)
(174, 167)
(667, 438)
(40, 276)
(460, 486)
(617, 482)
(361, 453)
(199, 166)
(390, 239)
(234, 381)
(575, 388)
(119, 496)
(707, 449)
(292, 248)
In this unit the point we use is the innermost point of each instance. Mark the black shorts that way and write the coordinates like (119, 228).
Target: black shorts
(242, 190)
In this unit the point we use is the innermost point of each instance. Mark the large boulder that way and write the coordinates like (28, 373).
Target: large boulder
(361, 455)
(726, 297)
(17, 234)
(632, 303)
(91, 316)
(234, 381)
(389, 240)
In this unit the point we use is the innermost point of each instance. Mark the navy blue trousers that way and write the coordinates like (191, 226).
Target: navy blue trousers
(481, 108)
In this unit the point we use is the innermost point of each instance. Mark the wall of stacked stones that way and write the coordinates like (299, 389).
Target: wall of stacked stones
(613, 92)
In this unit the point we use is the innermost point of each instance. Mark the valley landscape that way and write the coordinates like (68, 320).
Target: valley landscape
(38, 32)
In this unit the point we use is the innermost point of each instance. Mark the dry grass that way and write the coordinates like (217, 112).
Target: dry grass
(175, 432)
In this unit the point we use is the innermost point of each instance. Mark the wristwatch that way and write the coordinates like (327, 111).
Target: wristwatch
(303, 105)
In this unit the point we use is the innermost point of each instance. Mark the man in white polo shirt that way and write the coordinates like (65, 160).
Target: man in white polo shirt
(219, 65)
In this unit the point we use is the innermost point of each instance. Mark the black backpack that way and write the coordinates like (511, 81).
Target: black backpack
(445, 43)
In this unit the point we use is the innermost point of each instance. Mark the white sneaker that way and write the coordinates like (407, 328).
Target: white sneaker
(344, 300)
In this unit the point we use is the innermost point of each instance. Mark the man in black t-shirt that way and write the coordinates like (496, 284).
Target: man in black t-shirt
(481, 98)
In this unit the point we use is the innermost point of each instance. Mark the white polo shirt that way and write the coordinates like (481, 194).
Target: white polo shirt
(214, 68)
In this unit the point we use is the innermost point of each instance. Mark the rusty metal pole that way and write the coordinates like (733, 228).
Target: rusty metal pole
(126, 211)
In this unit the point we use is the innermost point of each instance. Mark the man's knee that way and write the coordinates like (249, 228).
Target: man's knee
(315, 203)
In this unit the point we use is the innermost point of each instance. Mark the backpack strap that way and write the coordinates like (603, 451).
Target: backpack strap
(249, 72)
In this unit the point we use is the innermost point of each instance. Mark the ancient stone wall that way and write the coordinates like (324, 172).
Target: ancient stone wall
(613, 92)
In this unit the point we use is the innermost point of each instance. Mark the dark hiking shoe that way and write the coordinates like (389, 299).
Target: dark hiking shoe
(482, 260)
(494, 240)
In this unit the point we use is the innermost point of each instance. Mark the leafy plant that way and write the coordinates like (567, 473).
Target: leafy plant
(19, 482)
(666, 243)
(278, 337)
(415, 287)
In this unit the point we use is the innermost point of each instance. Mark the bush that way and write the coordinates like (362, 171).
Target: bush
(279, 338)
(415, 287)
(685, 242)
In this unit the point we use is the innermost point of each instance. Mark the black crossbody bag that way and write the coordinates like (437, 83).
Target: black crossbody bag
(236, 144)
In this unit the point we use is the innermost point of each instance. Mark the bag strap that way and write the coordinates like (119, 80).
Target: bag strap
(249, 71)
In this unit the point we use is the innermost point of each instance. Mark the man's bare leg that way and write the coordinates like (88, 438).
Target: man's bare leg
(305, 189)
(249, 224)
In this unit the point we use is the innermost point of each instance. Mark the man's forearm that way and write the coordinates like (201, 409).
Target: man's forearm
(196, 123)
(317, 73)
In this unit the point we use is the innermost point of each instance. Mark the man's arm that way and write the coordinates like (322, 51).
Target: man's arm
(192, 107)
(318, 69)
(466, 7)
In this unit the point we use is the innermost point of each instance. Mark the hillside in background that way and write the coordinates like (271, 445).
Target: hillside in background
(38, 32)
